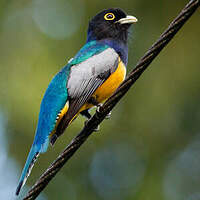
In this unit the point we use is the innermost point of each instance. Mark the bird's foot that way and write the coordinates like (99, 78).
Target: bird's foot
(108, 115)
(98, 107)
(86, 114)
(95, 129)
(98, 110)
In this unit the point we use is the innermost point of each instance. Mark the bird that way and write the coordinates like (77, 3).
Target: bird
(87, 80)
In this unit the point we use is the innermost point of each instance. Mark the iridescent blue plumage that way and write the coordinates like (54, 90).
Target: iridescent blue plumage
(75, 84)
(53, 102)
(56, 95)
(90, 49)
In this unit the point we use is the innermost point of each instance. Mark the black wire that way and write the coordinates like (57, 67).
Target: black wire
(143, 63)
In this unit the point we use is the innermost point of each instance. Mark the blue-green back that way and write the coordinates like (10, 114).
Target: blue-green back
(56, 94)
(88, 50)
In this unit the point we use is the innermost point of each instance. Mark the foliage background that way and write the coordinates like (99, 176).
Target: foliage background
(149, 149)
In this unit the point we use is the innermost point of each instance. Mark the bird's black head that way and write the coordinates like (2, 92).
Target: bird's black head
(110, 24)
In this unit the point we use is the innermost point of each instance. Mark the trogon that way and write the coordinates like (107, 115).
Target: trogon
(87, 80)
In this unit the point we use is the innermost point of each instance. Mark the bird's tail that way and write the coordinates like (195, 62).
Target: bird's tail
(32, 156)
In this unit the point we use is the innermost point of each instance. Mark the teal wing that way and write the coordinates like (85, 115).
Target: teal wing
(84, 79)
(53, 102)
(57, 93)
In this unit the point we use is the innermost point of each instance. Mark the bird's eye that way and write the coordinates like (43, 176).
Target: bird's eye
(109, 16)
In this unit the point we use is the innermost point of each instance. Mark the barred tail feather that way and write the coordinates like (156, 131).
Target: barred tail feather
(33, 154)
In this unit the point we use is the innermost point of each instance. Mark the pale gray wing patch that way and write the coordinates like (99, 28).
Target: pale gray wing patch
(84, 76)
(83, 81)
(77, 103)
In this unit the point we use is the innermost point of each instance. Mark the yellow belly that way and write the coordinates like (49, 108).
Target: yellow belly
(101, 94)
(109, 86)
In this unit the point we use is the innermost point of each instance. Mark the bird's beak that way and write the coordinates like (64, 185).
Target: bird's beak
(127, 20)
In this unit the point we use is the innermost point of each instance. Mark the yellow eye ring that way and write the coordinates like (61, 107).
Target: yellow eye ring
(109, 16)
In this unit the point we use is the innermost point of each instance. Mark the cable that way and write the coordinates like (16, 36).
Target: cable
(99, 116)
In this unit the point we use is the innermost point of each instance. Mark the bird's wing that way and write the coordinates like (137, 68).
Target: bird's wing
(87, 76)
(84, 79)
(53, 102)
(76, 81)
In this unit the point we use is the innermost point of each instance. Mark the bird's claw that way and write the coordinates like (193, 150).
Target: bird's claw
(95, 129)
(98, 107)
(108, 115)
(98, 110)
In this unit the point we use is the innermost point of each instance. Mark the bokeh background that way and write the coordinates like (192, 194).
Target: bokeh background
(148, 150)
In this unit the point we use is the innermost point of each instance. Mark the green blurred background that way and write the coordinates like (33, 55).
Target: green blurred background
(148, 150)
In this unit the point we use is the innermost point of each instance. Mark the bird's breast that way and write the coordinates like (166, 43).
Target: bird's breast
(109, 86)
